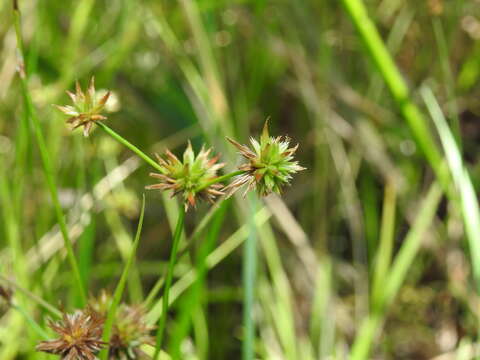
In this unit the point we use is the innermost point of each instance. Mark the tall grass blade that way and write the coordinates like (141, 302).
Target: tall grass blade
(366, 335)
(385, 250)
(249, 275)
(396, 84)
(468, 199)
(168, 283)
(47, 166)
(117, 296)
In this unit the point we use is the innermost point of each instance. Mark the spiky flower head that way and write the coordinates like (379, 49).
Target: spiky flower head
(130, 332)
(190, 178)
(130, 329)
(270, 164)
(87, 107)
(80, 336)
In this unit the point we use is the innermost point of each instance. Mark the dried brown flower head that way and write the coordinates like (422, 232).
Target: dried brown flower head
(80, 336)
(87, 107)
(270, 164)
(130, 332)
(190, 177)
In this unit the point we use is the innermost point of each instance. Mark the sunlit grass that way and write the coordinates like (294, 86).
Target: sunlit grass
(379, 232)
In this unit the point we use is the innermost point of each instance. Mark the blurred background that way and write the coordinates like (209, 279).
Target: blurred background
(334, 277)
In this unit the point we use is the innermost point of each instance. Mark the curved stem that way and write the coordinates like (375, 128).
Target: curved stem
(129, 145)
(153, 163)
(168, 282)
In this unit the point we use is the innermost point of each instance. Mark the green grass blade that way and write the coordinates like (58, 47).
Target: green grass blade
(31, 321)
(249, 276)
(117, 296)
(50, 308)
(396, 84)
(47, 166)
(363, 342)
(168, 282)
(469, 205)
(384, 253)
(193, 302)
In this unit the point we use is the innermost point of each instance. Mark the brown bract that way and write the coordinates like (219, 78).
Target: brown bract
(80, 336)
(86, 109)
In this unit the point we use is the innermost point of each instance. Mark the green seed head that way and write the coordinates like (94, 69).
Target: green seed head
(130, 332)
(270, 164)
(190, 176)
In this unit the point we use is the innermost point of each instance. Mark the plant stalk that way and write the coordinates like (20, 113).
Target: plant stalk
(45, 156)
(168, 282)
(153, 163)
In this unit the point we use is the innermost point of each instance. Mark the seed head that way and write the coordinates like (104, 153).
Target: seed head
(190, 177)
(80, 336)
(130, 329)
(130, 332)
(86, 109)
(269, 166)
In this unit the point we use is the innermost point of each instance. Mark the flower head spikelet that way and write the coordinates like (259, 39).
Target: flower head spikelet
(130, 329)
(80, 336)
(270, 164)
(130, 332)
(87, 107)
(189, 177)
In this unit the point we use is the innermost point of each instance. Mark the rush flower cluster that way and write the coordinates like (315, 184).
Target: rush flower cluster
(86, 109)
(80, 333)
(80, 336)
(189, 177)
(269, 165)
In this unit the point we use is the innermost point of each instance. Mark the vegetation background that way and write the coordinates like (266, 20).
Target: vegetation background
(363, 257)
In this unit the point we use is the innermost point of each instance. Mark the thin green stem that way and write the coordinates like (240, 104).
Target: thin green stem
(398, 87)
(129, 145)
(384, 253)
(47, 165)
(396, 276)
(168, 282)
(31, 321)
(249, 277)
(153, 163)
(117, 296)
(31, 296)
